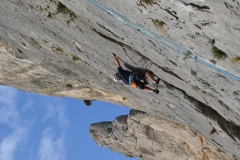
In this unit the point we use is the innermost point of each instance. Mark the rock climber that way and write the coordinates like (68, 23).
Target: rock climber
(135, 79)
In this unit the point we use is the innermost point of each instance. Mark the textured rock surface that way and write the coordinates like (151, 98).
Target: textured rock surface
(150, 137)
(50, 49)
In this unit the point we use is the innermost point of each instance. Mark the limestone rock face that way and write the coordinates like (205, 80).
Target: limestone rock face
(151, 137)
(63, 48)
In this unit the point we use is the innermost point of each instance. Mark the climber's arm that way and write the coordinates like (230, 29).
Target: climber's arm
(116, 60)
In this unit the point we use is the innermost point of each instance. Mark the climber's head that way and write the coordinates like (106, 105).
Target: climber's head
(116, 77)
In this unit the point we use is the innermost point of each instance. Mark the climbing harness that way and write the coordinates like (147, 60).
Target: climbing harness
(159, 39)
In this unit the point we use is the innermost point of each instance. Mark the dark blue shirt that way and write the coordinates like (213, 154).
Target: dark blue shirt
(124, 75)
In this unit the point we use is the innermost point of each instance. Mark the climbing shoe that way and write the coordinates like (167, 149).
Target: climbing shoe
(157, 83)
(158, 79)
(155, 91)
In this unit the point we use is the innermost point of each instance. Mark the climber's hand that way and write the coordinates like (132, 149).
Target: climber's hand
(116, 60)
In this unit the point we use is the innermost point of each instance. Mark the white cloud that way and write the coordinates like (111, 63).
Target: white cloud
(10, 117)
(7, 95)
(59, 113)
(28, 105)
(10, 143)
(8, 113)
(52, 145)
(51, 148)
(62, 119)
(51, 112)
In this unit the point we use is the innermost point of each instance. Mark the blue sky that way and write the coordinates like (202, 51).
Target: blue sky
(37, 127)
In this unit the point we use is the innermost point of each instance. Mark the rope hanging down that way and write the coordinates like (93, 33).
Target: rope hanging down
(158, 39)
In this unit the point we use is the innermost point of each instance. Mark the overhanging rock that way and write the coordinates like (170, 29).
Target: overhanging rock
(150, 137)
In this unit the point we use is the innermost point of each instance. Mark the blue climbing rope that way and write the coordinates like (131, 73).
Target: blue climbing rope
(158, 39)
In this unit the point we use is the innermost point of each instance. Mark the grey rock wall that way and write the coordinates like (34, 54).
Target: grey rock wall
(150, 137)
(64, 48)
